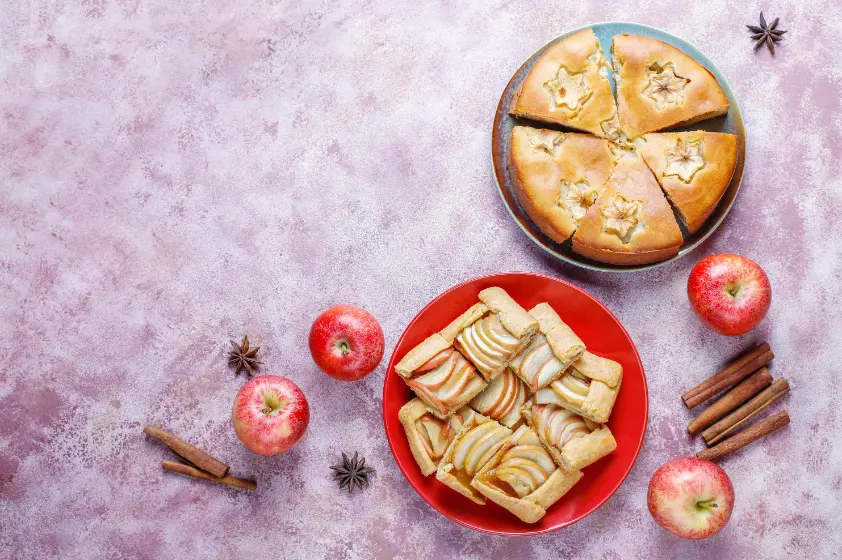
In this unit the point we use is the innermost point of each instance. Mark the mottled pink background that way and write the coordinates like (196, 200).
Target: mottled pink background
(176, 174)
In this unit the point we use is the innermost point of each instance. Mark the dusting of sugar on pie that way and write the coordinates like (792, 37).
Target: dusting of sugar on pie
(665, 86)
(684, 160)
(568, 90)
(620, 216)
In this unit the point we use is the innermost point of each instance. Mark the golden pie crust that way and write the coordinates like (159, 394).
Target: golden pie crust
(568, 85)
(546, 164)
(631, 222)
(578, 391)
(414, 412)
(659, 86)
(694, 169)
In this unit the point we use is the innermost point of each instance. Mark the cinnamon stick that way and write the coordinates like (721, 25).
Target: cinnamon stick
(738, 370)
(189, 451)
(752, 433)
(731, 400)
(181, 468)
(749, 410)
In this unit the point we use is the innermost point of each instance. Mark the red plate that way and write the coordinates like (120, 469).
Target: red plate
(602, 333)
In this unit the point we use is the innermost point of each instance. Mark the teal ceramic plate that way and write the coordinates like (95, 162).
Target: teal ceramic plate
(501, 137)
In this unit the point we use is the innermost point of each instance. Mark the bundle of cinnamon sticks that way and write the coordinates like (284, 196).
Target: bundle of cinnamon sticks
(195, 462)
(746, 389)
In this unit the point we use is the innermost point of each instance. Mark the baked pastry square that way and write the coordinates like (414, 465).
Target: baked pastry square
(551, 351)
(523, 478)
(573, 441)
(427, 434)
(492, 332)
(440, 376)
(658, 86)
(568, 85)
(557, 176)
(694, 169)
(478, 440)
(578, 391)
(502, 399)
(631, 222)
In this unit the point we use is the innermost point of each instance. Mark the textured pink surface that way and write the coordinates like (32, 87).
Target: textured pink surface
(177, 174)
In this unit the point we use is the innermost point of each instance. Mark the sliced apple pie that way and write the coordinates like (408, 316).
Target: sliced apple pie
(631, 222)
(658, 86)
(523, 478)
(588, 387)
(557, 176)
(568, 85)
(429, 435)
(551, 351)
(479, 439)
(573, 441)
(502, 399)
(492, 332)
(440, 375)
(694, 169)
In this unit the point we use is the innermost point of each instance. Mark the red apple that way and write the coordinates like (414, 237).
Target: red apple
(730, 293)
(691, 497)
(346, 342)
(270, 414)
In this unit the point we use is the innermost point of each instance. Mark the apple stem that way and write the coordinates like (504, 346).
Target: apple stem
(707, 504)
(344, 347)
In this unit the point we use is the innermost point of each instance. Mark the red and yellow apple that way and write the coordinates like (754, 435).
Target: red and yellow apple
(346, 342)
(691, 498)
(730, 293)
(270, 414)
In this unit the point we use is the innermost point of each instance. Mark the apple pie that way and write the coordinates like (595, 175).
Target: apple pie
(568, 85)
(557, 176)
(573, 441)
(589, 387)
(551, 351)
(694, 169)
(502, 399)
(631, 222)
(659, 86)
(429, 435)
(440, 375)
(523, 478)
(492, 332)
(478, 440)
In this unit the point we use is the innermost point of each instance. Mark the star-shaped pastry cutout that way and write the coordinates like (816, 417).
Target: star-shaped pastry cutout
(619, 216)
(545, 140)
(576, 198)
(665, 86)
(684, 160)
(568, 90)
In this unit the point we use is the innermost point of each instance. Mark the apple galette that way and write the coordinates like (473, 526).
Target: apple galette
(502, 399)
(694, 169)
(551, 351)
(568, 85)
(658, 86)
(479, 439)
(574, 442)
(429, 435)
(589, 387)
(523, 478)
(440, 375)
(492, 332)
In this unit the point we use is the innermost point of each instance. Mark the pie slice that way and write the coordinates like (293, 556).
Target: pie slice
(502, 399)
(693, 168)
(568, 85)
(523, 478)
(573, 441)
(492, 332)
(440, 376)
(428, 435)
(631, 222)
(578, 391)
(478, 440)
(551, 351)
(557, 176)
(658, 86)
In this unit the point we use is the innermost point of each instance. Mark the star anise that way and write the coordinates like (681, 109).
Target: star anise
(352, 472)
(243, 357)
(766, 34)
